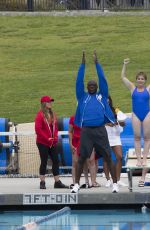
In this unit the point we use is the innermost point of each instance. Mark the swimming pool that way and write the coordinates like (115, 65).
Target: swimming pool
(79, 220)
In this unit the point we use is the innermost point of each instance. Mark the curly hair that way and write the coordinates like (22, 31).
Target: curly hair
(110, 102)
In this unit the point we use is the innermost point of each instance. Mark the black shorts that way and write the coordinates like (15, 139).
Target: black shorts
(94, 137)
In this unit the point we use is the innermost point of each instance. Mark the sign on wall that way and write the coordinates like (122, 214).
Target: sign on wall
(50, 198)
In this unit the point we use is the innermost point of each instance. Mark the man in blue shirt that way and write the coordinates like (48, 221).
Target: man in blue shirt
(92, 113)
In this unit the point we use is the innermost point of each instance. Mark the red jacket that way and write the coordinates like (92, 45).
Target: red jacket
(44, 131)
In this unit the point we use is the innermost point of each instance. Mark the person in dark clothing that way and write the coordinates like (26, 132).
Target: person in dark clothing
(92, 112)
(47, 137)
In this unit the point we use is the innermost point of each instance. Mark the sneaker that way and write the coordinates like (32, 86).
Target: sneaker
(115, 188)
(141, 183)
(121, 184)
(71, 186)
(75, 189)
(59, 184)
(108, 184)
(86, 185)
(42, 185)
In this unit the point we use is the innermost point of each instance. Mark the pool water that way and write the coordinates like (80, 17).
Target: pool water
(80, 220)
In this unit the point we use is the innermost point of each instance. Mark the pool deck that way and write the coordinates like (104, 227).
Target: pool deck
(25, 192)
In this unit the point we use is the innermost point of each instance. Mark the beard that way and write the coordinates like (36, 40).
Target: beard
(92, 91)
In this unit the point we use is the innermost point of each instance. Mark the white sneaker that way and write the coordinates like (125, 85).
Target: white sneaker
(115, 188)
(121, 184)
(108, 184)
(75, 188)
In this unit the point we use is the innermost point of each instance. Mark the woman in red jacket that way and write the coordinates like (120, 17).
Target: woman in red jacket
(47, 136)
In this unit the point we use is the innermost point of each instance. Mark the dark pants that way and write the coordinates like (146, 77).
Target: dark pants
(46, 151)
(97, 138)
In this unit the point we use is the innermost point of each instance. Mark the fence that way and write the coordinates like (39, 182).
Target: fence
(61, 5)
(23, 156)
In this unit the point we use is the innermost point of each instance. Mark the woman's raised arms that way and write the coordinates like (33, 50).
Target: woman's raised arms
(126, 82)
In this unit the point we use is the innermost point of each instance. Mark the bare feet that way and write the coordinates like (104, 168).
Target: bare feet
(139, 162)
(144, 163)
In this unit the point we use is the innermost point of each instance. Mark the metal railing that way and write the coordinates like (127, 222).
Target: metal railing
(61, 5)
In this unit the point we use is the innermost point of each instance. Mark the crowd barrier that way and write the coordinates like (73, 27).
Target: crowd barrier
(62, 5)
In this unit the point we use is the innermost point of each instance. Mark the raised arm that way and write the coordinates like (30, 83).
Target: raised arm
(103, 86)
(126, 82)
(80, 79)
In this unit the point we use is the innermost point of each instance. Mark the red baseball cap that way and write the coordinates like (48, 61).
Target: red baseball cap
(46, 99)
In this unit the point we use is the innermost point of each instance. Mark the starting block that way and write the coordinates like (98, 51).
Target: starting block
(131, 161)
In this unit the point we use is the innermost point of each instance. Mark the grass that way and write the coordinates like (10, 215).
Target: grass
(40, 55)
